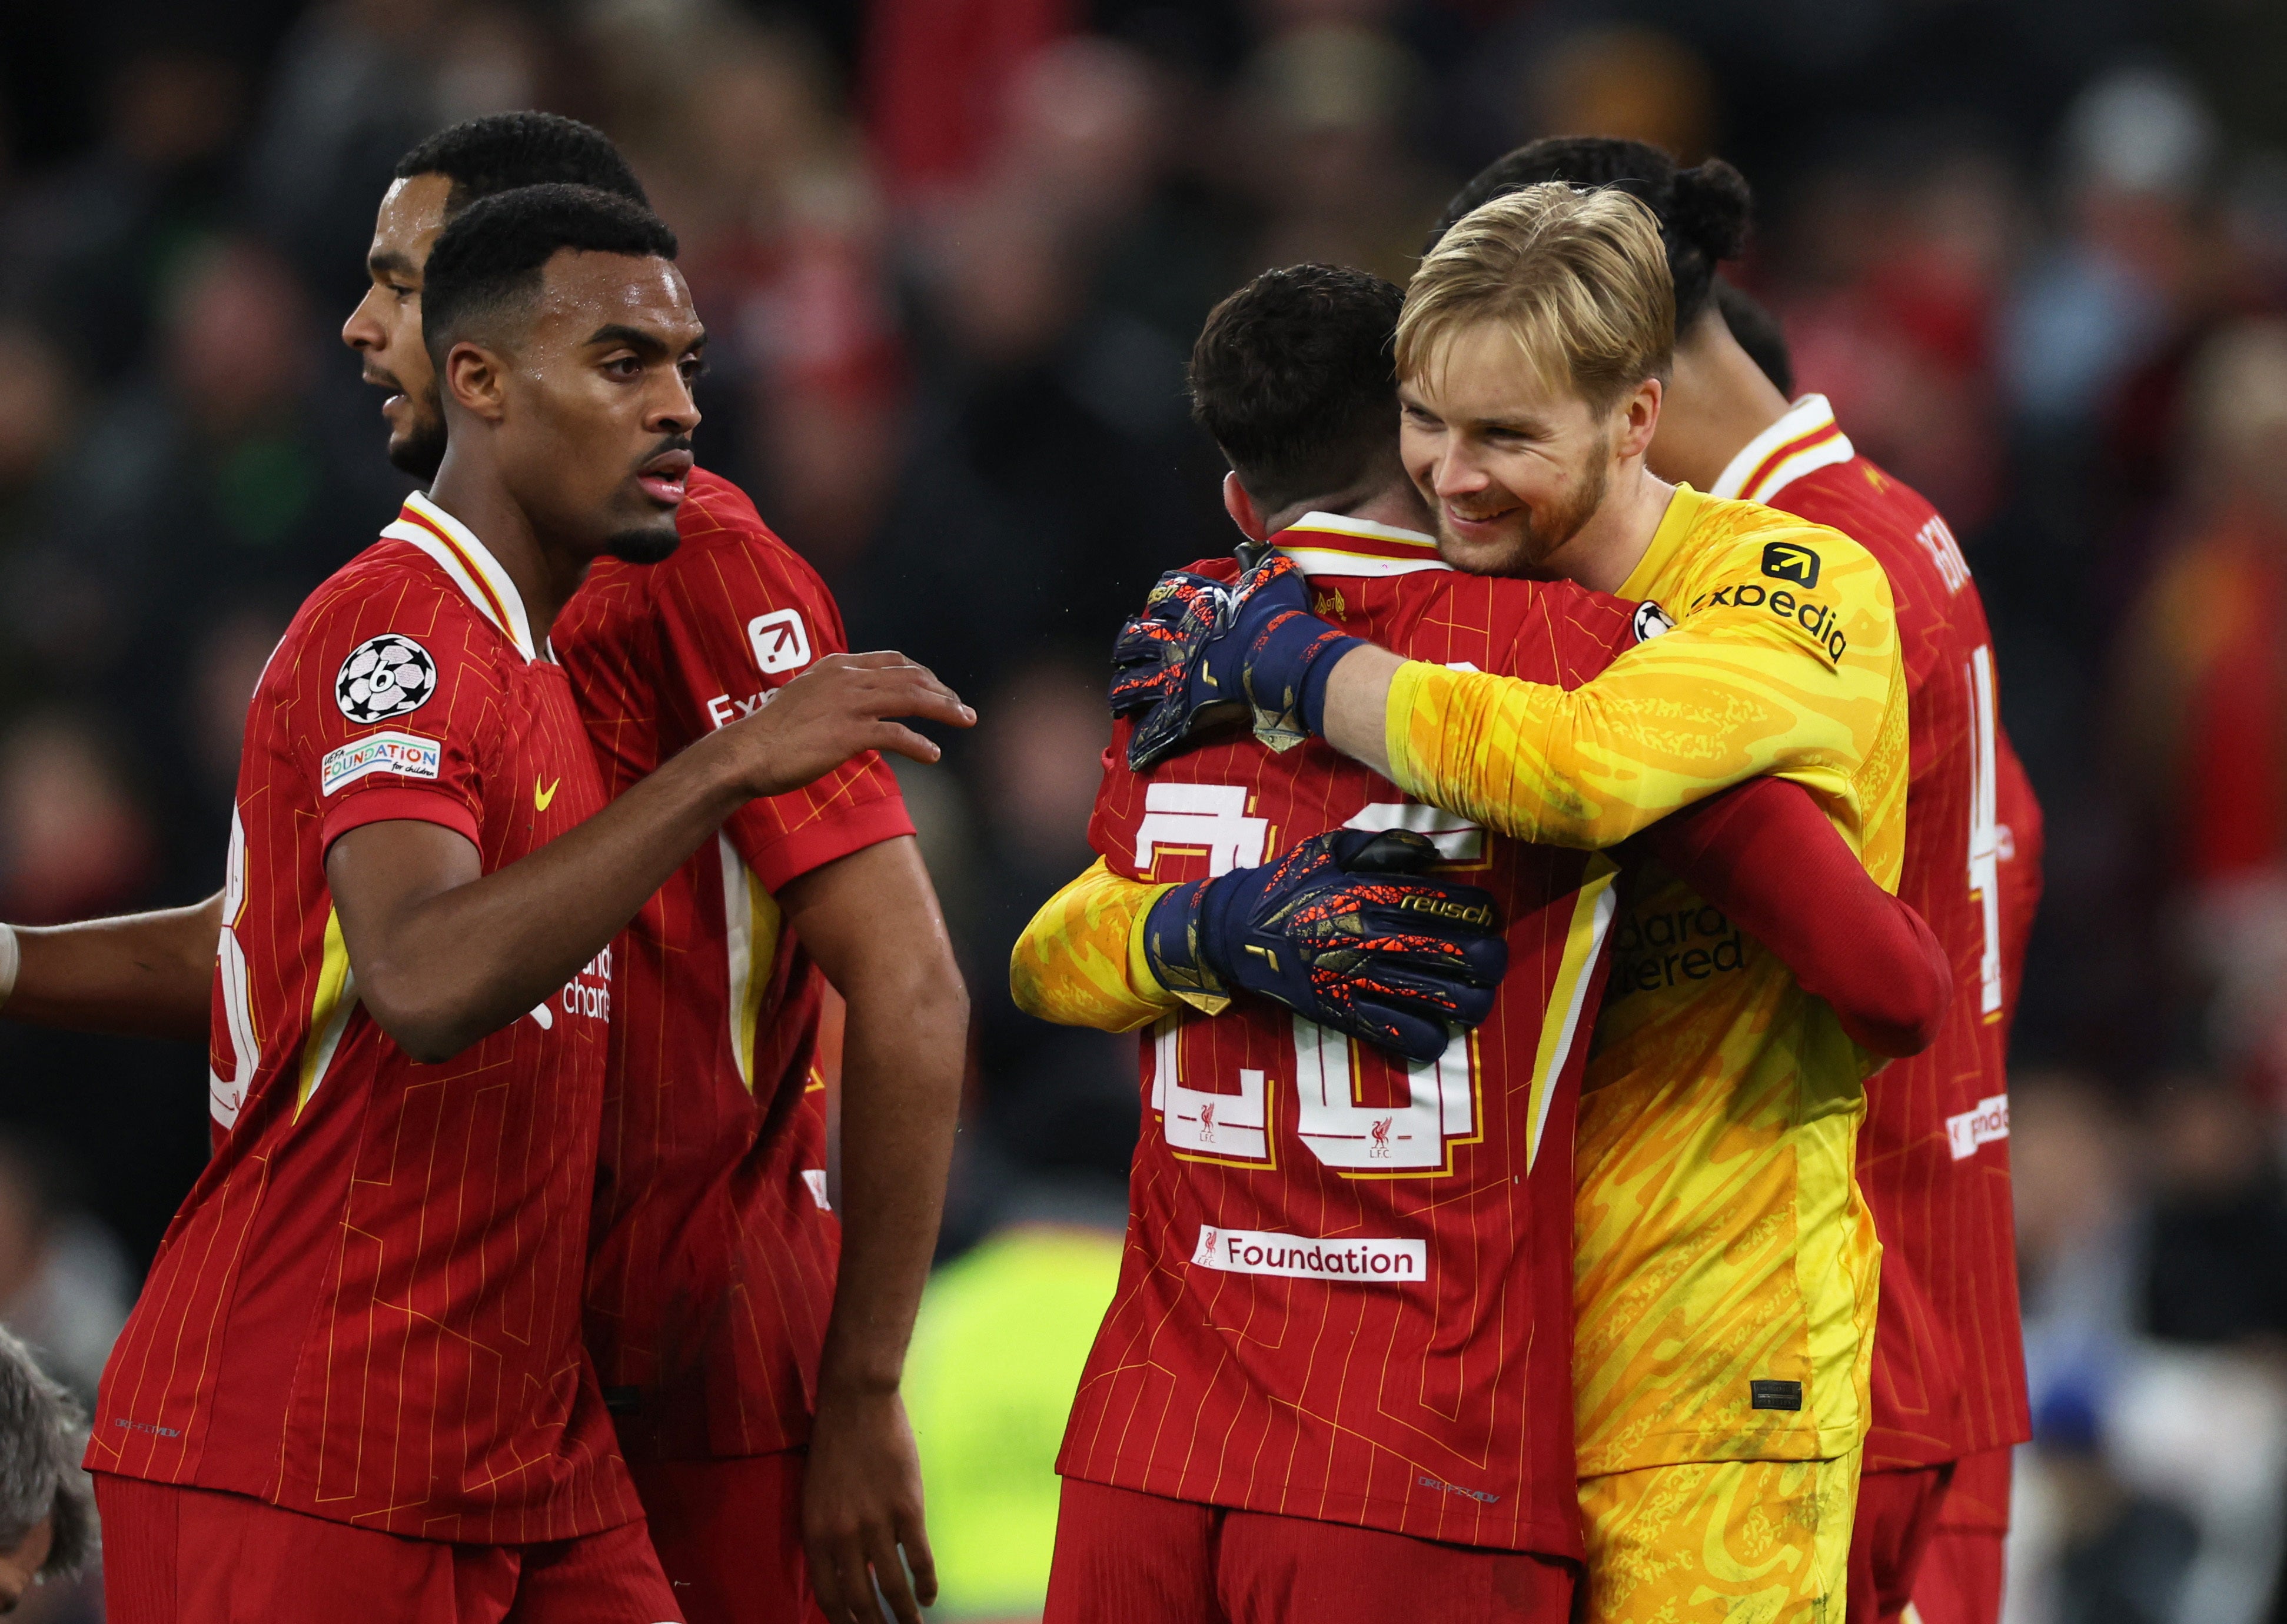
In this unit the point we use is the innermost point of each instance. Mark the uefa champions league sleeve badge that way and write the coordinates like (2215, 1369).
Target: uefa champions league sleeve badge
(382, 677)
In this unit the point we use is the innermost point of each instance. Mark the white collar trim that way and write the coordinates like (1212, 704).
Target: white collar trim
(472, 567)
(1332, 561)
(1806, 415)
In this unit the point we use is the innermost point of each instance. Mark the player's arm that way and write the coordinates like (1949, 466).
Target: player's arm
(1082, 961)
(1756, 677)
(871, 922)
(1766, 855)
(445, 954)
(1726, 696)
(139, 975)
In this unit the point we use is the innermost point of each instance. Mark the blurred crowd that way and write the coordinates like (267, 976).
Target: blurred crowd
(952, 253)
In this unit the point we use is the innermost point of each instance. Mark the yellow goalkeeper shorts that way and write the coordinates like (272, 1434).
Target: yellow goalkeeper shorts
(1738, 1542)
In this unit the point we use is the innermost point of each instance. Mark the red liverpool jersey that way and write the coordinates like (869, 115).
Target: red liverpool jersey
(368, 1308)
(713, 1257)
(1347, 1285)
(1934, 1155)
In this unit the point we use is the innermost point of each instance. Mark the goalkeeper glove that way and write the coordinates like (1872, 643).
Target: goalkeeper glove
(1343, 931)
(1204, 647)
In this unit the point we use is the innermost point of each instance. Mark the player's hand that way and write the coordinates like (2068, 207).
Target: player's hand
(838, 708)
(1203, 650)
(1344, 930)
(861, 1504)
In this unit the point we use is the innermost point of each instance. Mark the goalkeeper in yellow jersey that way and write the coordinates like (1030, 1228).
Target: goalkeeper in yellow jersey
(1727, 1270)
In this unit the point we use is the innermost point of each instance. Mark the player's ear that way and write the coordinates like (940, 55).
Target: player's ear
(476, 379)
(1241, 508)
(1637, 418)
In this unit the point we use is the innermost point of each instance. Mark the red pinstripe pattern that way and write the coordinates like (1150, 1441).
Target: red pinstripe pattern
(1949, 1360)
(368, 1311)
(1442, 1409)
(713, 1267)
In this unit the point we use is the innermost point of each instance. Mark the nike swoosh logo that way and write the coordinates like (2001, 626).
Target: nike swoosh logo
(540, 797)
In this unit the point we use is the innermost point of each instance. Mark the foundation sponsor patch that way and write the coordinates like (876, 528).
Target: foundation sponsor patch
(1257, 1251)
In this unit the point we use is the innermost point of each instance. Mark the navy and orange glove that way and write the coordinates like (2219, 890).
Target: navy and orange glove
(1203, 650)
(1344, 930)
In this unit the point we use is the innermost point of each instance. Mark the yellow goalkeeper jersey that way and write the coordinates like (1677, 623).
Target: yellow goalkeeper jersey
(1726, 1266)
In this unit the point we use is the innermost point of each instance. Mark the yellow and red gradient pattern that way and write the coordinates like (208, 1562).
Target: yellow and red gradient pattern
(1722, 1238)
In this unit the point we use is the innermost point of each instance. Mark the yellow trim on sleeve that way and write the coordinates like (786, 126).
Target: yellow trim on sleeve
(330, 1004)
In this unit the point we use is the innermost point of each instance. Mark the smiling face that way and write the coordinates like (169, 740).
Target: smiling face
(1514, 468)
(588, 395)
(385, 328)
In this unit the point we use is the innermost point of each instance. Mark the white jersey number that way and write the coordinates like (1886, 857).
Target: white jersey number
(1441, 1105)
(1985, 832)
(235, 1042)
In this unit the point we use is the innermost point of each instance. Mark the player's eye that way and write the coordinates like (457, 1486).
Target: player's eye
(694, 368)
(623, 367)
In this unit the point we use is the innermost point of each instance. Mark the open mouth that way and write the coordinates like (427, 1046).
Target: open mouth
(393, 392)
(666, 477)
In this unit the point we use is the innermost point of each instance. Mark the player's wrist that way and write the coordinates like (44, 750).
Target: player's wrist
(1288, 663)
(11, 959)
(1176, 936)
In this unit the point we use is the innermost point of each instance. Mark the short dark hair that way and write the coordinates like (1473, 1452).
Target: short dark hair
(1703, 211)
(494, 256)
(1759, 334)
(42, 1432)
(502, 152)
(1294, 375)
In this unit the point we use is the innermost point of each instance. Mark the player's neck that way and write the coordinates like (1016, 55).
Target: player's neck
(1718, 400)
(1604, 551)
(1390, 499)
(471, 491)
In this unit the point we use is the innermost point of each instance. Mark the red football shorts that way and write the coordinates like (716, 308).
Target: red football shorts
(1125, 1558)
(1897, 1516)
(729, 1533)
(190, 1556)
(1962, 1575)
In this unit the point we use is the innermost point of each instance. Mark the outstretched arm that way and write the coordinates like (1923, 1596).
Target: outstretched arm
(139, 975)
(445, 954)
(871, 922)
(1766, 857)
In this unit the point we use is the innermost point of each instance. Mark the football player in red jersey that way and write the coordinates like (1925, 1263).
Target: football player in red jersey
(714, 1277)
(1948, 1384)
(1335, 1379)
(356, 1365)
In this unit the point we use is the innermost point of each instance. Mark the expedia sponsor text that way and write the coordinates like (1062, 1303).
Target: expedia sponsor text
(1816, 617)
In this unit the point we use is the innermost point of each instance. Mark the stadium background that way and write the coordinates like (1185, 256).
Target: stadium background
(953, 253)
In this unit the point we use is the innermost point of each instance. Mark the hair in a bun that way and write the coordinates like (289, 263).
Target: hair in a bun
(1704, 211)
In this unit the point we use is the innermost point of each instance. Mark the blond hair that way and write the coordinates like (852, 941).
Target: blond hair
(1578, 278)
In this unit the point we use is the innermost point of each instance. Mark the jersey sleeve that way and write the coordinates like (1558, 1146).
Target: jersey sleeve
(1757, 676)
(1081, 961)
(392, 707)
(739, 618)
(1765, 855)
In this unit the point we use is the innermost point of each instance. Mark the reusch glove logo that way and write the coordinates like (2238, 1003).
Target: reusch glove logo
(1791, 561)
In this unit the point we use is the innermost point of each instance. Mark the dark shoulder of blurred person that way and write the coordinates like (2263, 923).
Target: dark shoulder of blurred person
(2216, 1256)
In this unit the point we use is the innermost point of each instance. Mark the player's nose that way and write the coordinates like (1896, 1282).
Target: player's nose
(1457, 474)
(676, 410)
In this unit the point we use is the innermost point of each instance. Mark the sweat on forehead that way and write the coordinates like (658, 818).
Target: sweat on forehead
(493, 256)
